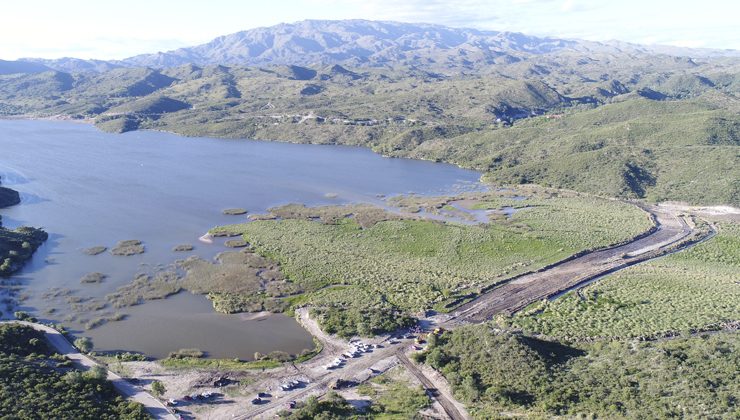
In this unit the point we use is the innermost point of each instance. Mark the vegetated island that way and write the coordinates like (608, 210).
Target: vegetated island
(16, 245)
(234, 212)
(128, 247)
(95, 250)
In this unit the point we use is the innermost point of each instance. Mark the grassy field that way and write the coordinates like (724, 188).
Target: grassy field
(404, 266)
(499, 374)
(393, 396)
(686, 291)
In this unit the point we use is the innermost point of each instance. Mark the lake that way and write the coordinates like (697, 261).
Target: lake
(88, 188)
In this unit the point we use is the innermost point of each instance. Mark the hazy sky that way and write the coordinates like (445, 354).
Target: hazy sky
(119, 29)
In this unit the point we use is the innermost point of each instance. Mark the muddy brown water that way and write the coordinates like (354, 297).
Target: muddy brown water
(89, 188)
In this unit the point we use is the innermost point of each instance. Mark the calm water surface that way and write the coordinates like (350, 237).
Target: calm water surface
(89, 188)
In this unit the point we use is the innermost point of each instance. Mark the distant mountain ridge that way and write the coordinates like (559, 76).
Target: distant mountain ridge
(363, 43)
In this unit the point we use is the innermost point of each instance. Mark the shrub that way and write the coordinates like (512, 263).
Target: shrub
(83, 344)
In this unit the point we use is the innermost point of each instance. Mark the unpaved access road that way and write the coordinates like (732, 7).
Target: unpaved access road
(317, 379)
(62, 346)
(432, 390)
(671, 234)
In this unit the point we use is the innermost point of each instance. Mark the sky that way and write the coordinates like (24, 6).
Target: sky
(120, 29)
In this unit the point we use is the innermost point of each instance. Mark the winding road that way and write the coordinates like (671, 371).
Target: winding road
(671, 234)
(62, 346)
(432, 390)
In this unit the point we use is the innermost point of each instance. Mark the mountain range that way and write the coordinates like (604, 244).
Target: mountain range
(609, 118)
(366, 43)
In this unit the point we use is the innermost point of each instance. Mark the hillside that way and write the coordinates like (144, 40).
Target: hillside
(526, 377)
(609, 118)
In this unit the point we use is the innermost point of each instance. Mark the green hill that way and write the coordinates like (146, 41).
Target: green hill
(608, 118)
(503, 375)
(675, 150)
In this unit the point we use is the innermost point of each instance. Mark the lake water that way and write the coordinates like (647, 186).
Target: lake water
(89, 188)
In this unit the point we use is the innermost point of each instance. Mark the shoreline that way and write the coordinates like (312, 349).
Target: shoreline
(91, 121)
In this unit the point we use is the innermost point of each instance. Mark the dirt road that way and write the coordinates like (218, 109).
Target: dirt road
(671, 233)
(315, 377)
(62, 346)
(434, 391)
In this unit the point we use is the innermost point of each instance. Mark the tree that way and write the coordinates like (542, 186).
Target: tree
(24, 316)
(96, 374)
(83, 344)
(158, 388)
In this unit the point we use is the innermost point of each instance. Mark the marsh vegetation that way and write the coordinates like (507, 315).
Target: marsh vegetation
(93, 278)
(234, 211)
(95, 250)
(696, 289)
(365, 270)
(128, 248)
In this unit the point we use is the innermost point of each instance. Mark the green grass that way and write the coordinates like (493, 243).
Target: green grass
(393, 267)
(691, 290)
(393, 396)
(198, 363)
(193, 359)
